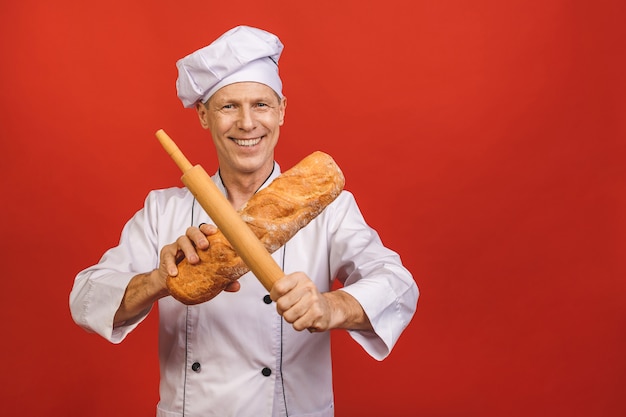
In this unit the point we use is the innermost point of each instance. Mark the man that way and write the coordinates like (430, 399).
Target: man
(244, 353)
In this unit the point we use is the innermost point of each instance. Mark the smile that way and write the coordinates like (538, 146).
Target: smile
(247, 142)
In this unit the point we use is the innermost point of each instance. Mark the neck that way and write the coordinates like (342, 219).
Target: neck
(241, 187)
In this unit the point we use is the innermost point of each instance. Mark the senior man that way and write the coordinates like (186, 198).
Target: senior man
(244, 353)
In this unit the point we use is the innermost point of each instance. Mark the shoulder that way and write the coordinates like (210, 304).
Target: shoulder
(164, 215)
(167, 199)
(345, 201)
(343, 208)
(167, 194)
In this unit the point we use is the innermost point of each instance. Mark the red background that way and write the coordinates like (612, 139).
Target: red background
(483, 139)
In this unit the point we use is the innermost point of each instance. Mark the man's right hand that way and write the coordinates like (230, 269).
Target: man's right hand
(187, 246)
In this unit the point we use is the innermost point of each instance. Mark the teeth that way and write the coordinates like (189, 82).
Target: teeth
(247, 142)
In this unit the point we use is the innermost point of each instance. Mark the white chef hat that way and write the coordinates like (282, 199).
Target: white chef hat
(242, 54)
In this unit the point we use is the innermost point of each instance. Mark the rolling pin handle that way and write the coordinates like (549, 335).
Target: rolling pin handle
(173, 151)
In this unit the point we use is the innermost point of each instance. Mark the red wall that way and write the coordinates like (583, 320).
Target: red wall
(483, 139)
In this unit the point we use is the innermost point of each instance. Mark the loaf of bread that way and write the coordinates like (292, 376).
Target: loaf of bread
(275, 214)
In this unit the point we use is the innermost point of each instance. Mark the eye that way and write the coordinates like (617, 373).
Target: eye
(228, 106)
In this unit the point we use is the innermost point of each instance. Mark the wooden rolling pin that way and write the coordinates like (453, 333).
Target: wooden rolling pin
(225, 217)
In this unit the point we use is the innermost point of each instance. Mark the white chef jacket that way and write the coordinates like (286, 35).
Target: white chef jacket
(234, 355)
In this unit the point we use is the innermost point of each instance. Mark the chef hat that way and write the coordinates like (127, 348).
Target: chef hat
(242, 54)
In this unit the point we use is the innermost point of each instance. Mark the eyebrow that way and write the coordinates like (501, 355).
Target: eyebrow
(257, 99)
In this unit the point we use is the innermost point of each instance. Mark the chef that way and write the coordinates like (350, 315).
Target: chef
(246, 352)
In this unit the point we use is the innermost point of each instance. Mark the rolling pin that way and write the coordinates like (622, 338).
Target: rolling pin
(225, 217)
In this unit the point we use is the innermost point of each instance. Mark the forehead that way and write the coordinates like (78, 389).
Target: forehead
(244, 92)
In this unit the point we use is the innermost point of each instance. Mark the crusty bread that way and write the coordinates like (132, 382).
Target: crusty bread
(275, 214)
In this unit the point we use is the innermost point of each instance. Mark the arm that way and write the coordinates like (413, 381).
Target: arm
(372, 274)
(378, 297)
(102, 299)
(144, 289)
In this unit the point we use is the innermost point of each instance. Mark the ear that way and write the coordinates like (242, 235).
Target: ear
(283, 105)
(203, 113)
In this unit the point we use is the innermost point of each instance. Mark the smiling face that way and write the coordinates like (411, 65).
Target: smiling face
(244, 120)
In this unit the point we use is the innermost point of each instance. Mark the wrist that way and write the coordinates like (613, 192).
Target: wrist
(158, 282)
(346, 312)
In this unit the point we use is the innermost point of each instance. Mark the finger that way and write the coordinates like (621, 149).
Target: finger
(233, 287)
(289, 305)
(188, 249)
(310, 312)
(307, 321)
(311, 322)
(297, 305)
(169, 259)
(207, 229)
(283, 286)
(292, 314)
(179, 256)
(197, 237)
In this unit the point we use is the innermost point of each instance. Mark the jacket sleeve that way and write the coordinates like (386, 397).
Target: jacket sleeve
(98, 290)
(374, 275)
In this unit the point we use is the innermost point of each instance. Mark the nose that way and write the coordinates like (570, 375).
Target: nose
(246, 119)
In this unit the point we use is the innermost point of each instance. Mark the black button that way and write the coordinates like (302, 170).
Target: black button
(267, 299)
(196, 367)
(266, 372)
